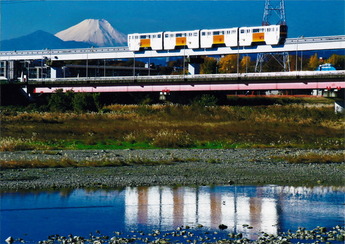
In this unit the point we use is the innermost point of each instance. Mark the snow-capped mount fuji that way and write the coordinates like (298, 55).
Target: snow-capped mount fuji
(97, 32)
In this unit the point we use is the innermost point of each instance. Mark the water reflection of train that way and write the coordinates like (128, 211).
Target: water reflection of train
(208, 38)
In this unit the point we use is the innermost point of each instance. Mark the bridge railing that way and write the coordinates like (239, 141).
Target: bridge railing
(204, 77)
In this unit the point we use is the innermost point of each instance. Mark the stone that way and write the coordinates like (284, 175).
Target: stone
(9, 240)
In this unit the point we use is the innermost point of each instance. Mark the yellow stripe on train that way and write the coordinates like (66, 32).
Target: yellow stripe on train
(181, 41)
(218, 39)
(258, 37)
(145, 43)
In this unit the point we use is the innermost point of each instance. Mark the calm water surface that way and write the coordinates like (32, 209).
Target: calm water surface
(272, 209)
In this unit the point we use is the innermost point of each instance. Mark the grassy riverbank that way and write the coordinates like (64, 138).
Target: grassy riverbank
(175, 126)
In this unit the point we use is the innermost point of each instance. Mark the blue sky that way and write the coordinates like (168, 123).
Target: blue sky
(304, 17)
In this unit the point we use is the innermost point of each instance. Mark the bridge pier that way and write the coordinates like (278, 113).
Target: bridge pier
(339, 107)
(193, 69)
(56, 72)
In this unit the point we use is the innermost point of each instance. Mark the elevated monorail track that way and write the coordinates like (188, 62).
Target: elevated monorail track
(291, 44)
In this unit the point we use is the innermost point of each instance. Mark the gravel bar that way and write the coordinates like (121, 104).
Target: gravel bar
(185, 167)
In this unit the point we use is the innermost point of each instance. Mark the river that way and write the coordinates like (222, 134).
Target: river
(34, 216)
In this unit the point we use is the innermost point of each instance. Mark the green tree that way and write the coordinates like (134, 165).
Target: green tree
(85, 102)
(205, 100)
(61, 101)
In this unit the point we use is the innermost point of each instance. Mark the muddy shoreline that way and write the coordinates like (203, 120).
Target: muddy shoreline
(186, 167)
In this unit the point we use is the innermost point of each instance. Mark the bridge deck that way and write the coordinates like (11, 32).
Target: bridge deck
(248, 81)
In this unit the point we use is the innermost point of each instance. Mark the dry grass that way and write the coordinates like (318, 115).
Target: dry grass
(66, 162)
(179, 126)
(20, 144)
(312, 158)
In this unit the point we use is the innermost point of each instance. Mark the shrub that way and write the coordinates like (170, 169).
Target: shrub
(14, 144)
(169, 138)
(205, 100)
(83, 102)
(60, 101)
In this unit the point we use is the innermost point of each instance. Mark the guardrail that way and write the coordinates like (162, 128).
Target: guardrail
(199, 77)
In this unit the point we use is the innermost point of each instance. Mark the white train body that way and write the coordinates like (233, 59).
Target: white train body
(269, 35)
(176, 39)
(229, 37)
(153, 41)
(210, 38)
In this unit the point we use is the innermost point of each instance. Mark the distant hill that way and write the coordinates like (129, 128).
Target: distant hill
(39, 40)
(96, 32)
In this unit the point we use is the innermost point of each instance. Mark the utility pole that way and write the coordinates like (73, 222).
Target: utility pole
(274, 14)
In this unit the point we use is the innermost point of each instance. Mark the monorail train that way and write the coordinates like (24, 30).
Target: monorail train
(229, 37)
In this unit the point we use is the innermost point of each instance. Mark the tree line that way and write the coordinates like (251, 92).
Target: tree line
(228, 63)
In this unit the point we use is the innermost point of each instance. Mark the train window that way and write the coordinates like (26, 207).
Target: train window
(242, 31)
(234, 31)
(171, 35)
(190, 34)
(248, 31)
(195, 33)
(203, 33)
(179, 35)
(154, 36)
(209, 33)
(255, 30)
(159, 36)
(166, 35)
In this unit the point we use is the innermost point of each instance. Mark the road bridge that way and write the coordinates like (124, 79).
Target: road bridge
(326, 80)
(291, 45)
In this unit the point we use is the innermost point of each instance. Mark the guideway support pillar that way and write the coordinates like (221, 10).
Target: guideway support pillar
(194, 65)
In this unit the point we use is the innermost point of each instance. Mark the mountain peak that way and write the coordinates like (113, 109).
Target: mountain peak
(97, 32)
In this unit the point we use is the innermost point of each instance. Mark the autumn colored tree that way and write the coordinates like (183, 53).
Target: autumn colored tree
(209, 66)
(314, 62)
(228, 64)
(338, 61)
(245, 64)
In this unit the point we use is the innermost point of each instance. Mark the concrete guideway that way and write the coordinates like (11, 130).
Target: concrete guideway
(291, 45)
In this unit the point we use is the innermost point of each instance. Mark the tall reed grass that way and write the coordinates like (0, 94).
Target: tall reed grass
(174, 126)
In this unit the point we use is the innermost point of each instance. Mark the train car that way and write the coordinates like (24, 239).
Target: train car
(269, 35)
(216, 37)
(153, 41)
(179, 39)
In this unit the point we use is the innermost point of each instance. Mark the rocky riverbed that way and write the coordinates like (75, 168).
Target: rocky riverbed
(178, 167)
(189, 234)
